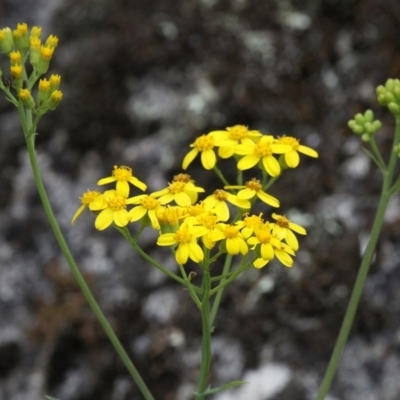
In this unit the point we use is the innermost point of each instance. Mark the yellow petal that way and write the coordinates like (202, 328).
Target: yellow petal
(308, 151)
(104, 219)
(78, 213)
(104, 181)
(121, 218)
(268, 199)
(271, 165)
(166, 239)
(248, 162)
(195, 252)
(292, 159)
(182, 253)
(189, 158)
(123, 188)
(208, 159)
(137, 213)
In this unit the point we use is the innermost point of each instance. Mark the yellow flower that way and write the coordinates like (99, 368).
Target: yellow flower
(217, 203)
(170, 217)
(249, 223)
(228, 140)
(254, 188)
(263, 151)
(86, 199)
(209, 221)
(234, 240)
(204, 144)
(148, 205)
(186, 178)
(283, 230)
(186, 240)
(292, 157)
(112, 206)
(122, 175)
(269, 247)
(179, 191)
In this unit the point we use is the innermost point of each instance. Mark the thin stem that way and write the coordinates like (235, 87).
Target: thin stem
(362, 273)
(30, 137)
(125, 233)
(206, 337)
(218, 296)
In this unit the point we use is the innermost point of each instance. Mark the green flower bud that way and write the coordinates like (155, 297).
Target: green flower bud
(369, 116)
(359, 118)
(365, 137)
(394, 108)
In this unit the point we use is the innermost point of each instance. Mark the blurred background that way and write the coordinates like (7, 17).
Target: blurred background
(141, 79)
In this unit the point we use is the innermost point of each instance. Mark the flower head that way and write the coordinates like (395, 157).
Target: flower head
(186, 240)
(112, 206)
(292, 157)
(253, 188)
(86, 199)
(122, 175)
(269, 246)
(283, 228)
(263, 151)
(234, 241)
(148, 206)
(217, 203)
(204, 144)
(228, 140)
(182, 192)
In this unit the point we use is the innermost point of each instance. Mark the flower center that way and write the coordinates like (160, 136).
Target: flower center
(150, 203)
(176, 187)
(182, 178)
(264, 235)
(254, 184)
(116, 203)
(237, 132)
(183, 235)
(283, 222)
(89, 196)
(231, 231)
(291, 141)
(122, 173)
(263, 148)
(209, 221)
(253, 221)
(221, 195)
(204, 142)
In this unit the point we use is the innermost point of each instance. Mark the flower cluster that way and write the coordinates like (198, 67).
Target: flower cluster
(24, 46)
(220, 221)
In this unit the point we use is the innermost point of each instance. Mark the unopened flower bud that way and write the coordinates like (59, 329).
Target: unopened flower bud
(6, 40)
(26, 97)
(20, 35)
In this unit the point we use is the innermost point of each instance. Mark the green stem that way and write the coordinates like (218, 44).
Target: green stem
(218, 296)
(30, 142)
(362, 273)
(206, 337)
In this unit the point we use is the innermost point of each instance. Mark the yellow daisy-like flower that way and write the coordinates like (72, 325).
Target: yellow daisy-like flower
(254, 188)
(186, 178)
(186, 240)
(204, 144)
(292, 157)
(228, 139)
(86, 199)
(179, 191)
(270, 246)
(170, 217)
(263, 151)
(122, 175)
(217, 203)
(234, 241)
(249, 223)
(148, 205)
(283, 228)
(209, 221)
(112, 206)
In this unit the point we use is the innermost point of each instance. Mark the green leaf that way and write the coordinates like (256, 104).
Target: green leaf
(229, 385)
